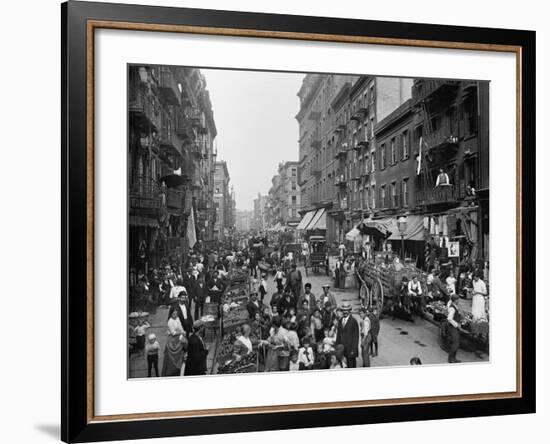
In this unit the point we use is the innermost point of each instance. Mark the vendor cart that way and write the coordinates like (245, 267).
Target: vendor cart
(381, 283)
(317, 260)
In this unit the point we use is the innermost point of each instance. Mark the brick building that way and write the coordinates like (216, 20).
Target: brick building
(337, 146)
(170, 162)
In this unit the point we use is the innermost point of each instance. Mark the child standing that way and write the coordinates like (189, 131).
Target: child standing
(140, 331)
(152, 351)
(294, 365)
(306, 358)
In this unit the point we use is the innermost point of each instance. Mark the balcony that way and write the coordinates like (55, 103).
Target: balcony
(145, 196)
(341, 153)
(175, 199)
(438, 195)
(340, 180)
(441, 139)
(169, 141)
(168, 87)
(196, 118)
(144, 108)
(315, 116)
(184, 130)
(358, 115)
(427, 88)
(316, 144)
(316, 171)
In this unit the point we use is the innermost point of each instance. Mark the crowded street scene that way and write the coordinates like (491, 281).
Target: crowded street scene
(366, 245)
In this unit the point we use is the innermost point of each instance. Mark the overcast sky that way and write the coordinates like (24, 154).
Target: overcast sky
(254, 114)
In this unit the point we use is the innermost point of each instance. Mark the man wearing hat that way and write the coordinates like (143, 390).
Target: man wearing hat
(197, 352)
(348, 335)
(308, 297)
(181, 306)
(327, 296)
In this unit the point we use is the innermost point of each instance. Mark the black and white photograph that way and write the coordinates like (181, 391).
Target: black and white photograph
(287, 221)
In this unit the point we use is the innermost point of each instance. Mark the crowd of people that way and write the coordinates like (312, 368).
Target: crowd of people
(299, 330)
(295, 328)
(184, 289)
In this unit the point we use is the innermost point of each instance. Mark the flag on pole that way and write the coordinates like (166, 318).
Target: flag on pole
(419, 158)
(191, 232)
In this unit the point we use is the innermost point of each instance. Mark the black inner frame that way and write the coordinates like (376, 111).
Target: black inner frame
(74, 425)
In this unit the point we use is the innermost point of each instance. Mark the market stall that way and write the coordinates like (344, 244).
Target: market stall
(234, 315)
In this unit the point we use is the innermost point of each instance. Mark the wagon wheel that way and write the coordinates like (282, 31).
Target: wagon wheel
(364, 294)
(377, 295)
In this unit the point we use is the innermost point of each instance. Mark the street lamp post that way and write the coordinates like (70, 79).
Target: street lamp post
(402, 227)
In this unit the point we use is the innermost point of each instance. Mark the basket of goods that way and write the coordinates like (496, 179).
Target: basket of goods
(480, 327)
(226, 347)
(234, 318)
(246, 364)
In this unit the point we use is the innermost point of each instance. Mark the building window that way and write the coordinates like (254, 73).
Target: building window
(405, 144)
(373, 197)
(382, 200)
(293, 172)
(406, 192)
(373, 161)
(382, 156)
(392, 151)
(371, 126)
(394, 197)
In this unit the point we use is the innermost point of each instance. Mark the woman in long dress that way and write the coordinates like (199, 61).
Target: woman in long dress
(479, 292)
(176, 345)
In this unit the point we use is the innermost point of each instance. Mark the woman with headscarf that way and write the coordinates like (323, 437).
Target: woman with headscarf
(176, 345)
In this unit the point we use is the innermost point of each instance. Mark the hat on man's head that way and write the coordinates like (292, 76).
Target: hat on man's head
(346, 306)
(198, 324)
(326, 286)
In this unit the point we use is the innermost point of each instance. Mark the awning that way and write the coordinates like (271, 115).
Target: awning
(319, 221)
(306, 220)
(414, 231)
(141, 221)
(381, 227)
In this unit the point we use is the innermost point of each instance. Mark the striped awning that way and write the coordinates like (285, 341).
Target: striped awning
(306, 220)
(319, 221)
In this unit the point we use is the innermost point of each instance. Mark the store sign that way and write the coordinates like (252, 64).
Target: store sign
(454, 249)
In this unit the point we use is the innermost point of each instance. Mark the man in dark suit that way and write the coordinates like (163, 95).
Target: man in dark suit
(254, 305)
(309, 297)
(181, 305)
(348, 335)
(200, 297)
(196, 352)
(215, 287)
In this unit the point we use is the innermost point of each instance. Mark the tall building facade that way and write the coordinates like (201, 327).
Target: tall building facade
(284, 197)
(451, 131)
(260, 221)
(397, 149)
(223, 200)
(337, 146)
(170, 162)
(244, 220)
